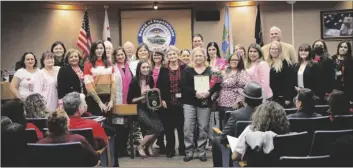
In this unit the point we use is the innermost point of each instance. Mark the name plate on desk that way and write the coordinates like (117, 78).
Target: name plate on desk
(153, 99)
(125, 109)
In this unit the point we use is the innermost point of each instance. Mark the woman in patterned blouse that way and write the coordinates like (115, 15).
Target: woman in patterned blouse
(235, 78)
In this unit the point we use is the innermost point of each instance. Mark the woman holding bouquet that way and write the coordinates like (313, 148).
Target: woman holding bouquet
(234, 79)
(196, 103)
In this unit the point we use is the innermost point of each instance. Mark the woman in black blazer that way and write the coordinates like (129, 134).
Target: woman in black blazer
(70, 76)
(148, 119)
(169, 84)
(307, 72)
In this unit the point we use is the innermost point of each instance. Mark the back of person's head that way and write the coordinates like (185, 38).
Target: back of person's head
(13, 145)
(306, 100)
(252, 102)
(58, 122)
(342, 151)
(338, 103)
(35, 106)
(270, 116)
(71, 103)
(14, 111)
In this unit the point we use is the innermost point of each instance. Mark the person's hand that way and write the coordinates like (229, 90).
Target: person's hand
(110, 105)
(164, 104)
(102, 106)
(235, 106)
(199, 95)
(205, 94)
(144, 93)
(287, 102)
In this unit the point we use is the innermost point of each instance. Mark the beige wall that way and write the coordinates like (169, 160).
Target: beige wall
(24, 29)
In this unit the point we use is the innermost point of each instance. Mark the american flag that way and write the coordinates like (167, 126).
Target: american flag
(84, 37)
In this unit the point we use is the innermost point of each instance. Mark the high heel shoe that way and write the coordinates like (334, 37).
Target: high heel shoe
(150, 150)
(141, 151)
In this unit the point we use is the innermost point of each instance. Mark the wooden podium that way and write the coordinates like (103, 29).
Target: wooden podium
(6, 93)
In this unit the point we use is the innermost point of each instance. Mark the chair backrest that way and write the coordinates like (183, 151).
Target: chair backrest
(39, 122)
(91, 117)
(290, 110)
(240, 126)
(322, 109)
(342, 122)
(309, 124)
(323, 140)
(85, 132)
(57, 155)
(305, 161)
(295, 144)
(31, 135)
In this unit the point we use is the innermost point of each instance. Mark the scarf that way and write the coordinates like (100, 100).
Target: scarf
(125, 80)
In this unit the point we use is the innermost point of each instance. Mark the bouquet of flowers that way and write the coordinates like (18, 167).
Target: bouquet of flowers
(216, 78)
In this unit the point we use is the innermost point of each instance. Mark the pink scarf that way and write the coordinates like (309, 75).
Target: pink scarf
(126, 79)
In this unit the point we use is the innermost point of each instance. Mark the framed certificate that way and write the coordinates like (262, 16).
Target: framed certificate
(202, 83)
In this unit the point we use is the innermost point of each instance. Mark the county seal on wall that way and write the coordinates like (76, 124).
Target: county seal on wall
(156, 33)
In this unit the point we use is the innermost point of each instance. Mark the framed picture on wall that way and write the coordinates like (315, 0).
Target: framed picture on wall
(336, 24)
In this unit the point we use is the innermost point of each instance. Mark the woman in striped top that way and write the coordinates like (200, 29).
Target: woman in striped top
(99, 80)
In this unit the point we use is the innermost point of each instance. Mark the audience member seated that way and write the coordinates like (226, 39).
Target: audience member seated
(35, 106)
(75, 105)
(5, 121)
(253, 98)
(14, 110)
(338, 104)
(305, 103)
(13, 144)
(342, 152)
(58, 125)
(268, 121)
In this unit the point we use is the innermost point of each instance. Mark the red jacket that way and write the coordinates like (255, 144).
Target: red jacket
(98, 131)
(39, 133)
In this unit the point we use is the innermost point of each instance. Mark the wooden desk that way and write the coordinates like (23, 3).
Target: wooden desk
(6, 93)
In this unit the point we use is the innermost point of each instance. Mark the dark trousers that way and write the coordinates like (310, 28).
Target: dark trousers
(173, 118)
(222, 116)
(122, 137)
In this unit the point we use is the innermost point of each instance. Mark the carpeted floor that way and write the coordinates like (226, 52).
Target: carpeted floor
(163, 161)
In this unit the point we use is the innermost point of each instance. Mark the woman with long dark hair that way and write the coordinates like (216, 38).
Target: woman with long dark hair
(214, 57)
(99, 80)
(307, 72)
(343, 60)
(149, 120)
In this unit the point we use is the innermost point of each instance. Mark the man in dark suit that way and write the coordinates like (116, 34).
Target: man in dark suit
(253, 98)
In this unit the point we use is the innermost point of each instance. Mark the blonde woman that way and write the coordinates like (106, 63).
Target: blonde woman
(281, 77)
(258, 69)
(70, 76)
(196, 105)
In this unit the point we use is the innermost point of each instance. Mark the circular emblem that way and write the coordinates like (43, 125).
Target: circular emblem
(156, 33)
(154, 103)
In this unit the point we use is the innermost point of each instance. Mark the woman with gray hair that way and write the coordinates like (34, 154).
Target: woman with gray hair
(34, 106)
(75, 105)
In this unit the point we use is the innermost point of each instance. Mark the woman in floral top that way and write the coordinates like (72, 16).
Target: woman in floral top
(235, 78)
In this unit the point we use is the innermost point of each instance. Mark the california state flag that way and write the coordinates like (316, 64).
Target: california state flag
(106, 28)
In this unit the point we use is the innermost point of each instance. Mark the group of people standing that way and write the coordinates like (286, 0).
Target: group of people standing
(111, 76)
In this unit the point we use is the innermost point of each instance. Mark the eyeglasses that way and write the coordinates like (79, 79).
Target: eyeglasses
(234, 60)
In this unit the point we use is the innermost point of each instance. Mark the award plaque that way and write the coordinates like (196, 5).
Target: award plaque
(153, 99)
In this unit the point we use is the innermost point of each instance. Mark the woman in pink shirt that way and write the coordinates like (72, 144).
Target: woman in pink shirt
(214, 58)
(157, 62)
(258, 69)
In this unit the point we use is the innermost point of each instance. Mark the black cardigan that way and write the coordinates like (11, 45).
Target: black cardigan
(311, 78)
(163, 82)
(68, 81)
(135, 89)
(188, 91)
(281, 82)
